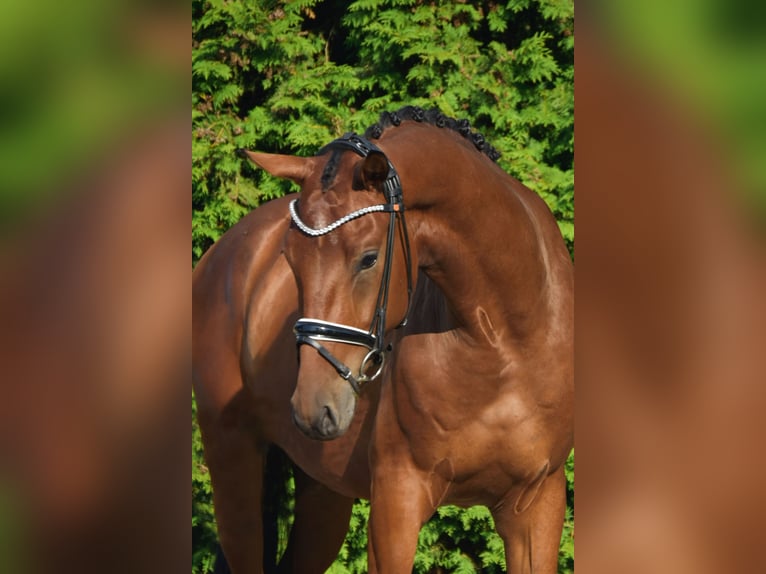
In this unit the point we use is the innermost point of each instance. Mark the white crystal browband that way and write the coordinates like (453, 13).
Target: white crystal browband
(335, 224)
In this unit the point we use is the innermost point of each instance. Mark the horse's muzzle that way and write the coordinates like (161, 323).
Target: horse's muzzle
(325, 426)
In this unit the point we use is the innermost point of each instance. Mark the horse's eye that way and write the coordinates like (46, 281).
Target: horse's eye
(368, 260)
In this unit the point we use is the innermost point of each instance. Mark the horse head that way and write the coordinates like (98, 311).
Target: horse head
(348, 249)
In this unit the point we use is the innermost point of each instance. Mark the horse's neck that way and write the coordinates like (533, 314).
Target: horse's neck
(491, 260)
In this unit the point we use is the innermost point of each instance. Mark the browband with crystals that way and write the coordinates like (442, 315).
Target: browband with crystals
(336, 224)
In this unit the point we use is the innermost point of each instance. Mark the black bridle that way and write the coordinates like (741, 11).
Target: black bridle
(313, 332)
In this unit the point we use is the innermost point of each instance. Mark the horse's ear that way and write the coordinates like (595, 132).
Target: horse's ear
(287, 166)
(374, 171)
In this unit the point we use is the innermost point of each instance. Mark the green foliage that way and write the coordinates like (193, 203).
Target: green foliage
(287, 77)
(203, 524)
(458, 540)
(566, 549)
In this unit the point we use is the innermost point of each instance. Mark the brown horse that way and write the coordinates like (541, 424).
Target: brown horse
(244, 372)
(479, 413)
(245, 302)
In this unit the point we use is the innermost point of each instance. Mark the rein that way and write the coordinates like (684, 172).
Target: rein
(313, 331)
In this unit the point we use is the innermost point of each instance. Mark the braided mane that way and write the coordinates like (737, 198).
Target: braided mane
(433, 117)
(436, 118)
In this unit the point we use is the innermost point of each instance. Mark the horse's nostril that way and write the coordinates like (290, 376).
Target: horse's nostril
(324, 427)
(329, 423)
